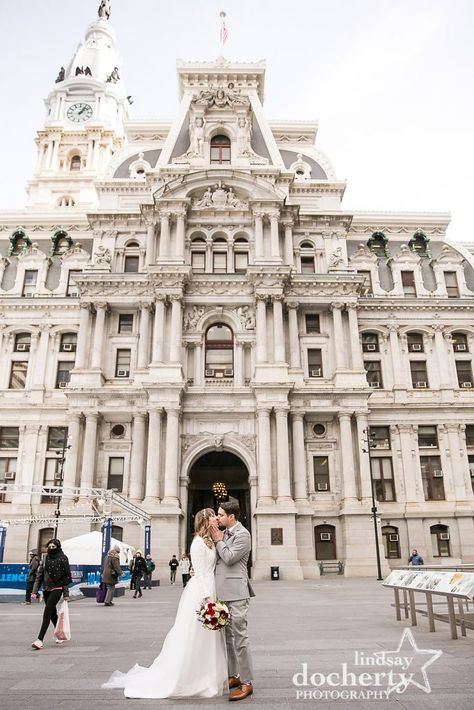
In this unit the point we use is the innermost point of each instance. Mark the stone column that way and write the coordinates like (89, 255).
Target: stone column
(264, 456)
(336, 309)
(398, 379)
(356, 350)
(261, 326)
(463, 454)
(152, 488)
(72, 456)
(347, 456)
(99, 332)
(457, 464)
(295, 351)
(198, 364)
(164, 235)
(283, 455)
(144, 337)
(209, 266)
(180, 234)
(278, 332)
(171, 457)
(238, 364)
(84, 335)
(362, 431)
(410, 470)
(441, 356)
(289, 259)
(90, 450)
(259, 253)
(451, 373)
(137, 460)
(41, 356)
(150, 244)
(159, 329)
(274, 235)
(176, 328)
(299, 457)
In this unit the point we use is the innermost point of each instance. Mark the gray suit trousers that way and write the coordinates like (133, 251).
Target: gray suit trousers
(239, 660)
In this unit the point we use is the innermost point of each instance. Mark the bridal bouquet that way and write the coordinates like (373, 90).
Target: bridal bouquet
(214, 615)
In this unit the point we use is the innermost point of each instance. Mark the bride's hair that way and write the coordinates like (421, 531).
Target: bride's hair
(201, 525)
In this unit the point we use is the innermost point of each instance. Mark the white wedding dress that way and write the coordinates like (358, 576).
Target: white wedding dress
(193, 661)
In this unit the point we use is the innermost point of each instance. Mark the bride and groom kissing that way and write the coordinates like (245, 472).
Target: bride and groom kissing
(196, 662)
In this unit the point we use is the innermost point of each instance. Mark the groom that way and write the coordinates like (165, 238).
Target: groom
(233, 587)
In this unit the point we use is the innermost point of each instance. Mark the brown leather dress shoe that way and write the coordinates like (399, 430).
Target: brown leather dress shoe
(244, 691)
(234, 682)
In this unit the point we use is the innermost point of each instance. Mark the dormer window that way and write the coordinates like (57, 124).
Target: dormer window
(18, 243)
(220, 150)
(61, 243)
(75, 163)
(378, 244)
(419, 244)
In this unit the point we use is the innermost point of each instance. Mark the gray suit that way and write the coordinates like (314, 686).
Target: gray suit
(233, 587)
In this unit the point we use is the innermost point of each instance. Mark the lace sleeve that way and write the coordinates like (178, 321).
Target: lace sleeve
(202, 576)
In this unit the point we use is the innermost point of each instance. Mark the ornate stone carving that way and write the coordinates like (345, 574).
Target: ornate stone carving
(192, 317)
(220, 98)
(196, 138)
(219, 196)
(246, 316)
(102, 255)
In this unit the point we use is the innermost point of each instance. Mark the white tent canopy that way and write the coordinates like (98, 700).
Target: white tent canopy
(86, 549)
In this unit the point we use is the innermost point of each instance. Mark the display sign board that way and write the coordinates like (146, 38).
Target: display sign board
(459, 584)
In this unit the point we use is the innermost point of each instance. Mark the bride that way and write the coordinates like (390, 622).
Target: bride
(192, 662)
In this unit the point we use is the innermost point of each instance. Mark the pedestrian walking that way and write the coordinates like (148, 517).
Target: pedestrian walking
(184, 567)
(150, 568)
(415, 559)
(54, 574)
(31, 577)
(138, 571)
(174, 564)
(111, 573)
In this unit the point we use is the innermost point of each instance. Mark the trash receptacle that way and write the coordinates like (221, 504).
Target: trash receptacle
(275, 572)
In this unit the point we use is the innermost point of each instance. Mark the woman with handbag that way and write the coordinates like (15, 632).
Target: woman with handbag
(54, 574)
(111, 573)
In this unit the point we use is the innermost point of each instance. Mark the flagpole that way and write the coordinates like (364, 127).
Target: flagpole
(223, 33)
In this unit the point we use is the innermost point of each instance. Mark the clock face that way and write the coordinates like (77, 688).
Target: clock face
(78, 113)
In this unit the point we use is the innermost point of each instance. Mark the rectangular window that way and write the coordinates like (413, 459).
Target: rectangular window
(382, 473)
(7, 475)
(68, 343)
(370, 343)
(432, 477)
(469, 434)
(126, 323)
(379, 437)
(321, 473)
(72, 290)
(307, 265)
(22, 343)
(9, 437)
(451, 281)
(373, 369)
(312, 323)
(415, 342)
(219, 262)
(241, 261)
(427, 437)
(419, 374)
(367, 287)
(57, 437)
(131, 264)
(408, 283)
(29, 282)
(122, 363)
(64, 373)
(51, 478)
(464, 373)
(115, 477)
(18, 375)
(198, 261)
(315, 363)
(471, 470)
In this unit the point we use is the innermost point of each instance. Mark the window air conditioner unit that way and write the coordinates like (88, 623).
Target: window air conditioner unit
(444, 536)
(467, 385)
(325, 536)
(209, 373)
(9, 475)
(67, 347)
(316, 372)
(228, 373)
(421, 385)
(438, 474)
(460, 347)
(393, 537)
(73, 294)
(415, 347)
(62, 384)
(375, 385)
(371, 347)
(21, 347)
(322, 486)
(123, 373)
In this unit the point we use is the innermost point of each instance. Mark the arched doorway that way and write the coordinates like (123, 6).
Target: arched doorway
(217, 467)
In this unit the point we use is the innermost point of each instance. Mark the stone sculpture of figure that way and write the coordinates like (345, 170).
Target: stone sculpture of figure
(102, 255)
(196, 137)
(206, 199)
(232, 200)
(79, 70)
(114, 77)
(61, 75)
(87, 71)
(105, 9)
(247, 317)
(336, 258)
(243, 137)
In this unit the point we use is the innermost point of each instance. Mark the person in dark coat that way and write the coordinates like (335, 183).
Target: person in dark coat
(415, 559)
(31, 577)
(54, 574)
(111, 572)
(138, 571)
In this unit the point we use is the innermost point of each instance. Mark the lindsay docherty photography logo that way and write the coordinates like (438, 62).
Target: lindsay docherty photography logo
(370, 675)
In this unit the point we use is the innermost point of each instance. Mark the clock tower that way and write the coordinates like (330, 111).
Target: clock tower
(84, 124)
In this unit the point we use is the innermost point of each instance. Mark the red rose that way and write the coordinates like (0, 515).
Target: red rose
(213, 622)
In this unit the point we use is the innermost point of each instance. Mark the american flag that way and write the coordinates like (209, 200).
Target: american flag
(224, 32)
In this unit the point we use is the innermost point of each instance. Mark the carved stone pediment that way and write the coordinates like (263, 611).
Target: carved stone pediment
(220, 197)
(219, 97)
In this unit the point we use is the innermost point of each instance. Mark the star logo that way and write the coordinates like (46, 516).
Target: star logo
(409, 664)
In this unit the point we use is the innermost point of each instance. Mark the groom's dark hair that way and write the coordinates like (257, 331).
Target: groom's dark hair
(231, 507)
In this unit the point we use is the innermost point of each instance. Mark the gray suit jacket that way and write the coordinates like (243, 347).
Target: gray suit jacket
(232, 581)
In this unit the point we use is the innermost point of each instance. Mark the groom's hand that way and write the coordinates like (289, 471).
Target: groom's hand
(216, 534)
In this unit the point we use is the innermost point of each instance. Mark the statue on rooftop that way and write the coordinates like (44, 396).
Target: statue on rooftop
(105, 9)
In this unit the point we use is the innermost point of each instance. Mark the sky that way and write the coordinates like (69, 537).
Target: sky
(389, 81)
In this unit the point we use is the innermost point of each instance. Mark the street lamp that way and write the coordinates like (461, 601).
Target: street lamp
(62, 454)
(368, 441)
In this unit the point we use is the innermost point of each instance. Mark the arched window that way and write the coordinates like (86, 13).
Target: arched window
(378, 244)
(391, 542)
(198, 255)
(75, 163)
(68, 343)
(308, 265)
(325, 542)
(241, 255)
(61, 243)
(460, 343)
(219, 351)
(370, 342)
(66, 201)
(132, 257)
(419, 244)
(219, 255)
(220, 150)
(18, 243)
(44, 535)
(22, 342)
(415, 342)
(440, 542)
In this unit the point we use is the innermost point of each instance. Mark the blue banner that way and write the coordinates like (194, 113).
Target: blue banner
(147, 540)
(106, 538)
(13, 576)
(3, 537)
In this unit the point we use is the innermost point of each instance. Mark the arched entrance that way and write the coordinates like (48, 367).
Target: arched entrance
(217, 467)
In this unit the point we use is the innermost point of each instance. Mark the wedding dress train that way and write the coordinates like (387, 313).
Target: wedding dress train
(193, 661)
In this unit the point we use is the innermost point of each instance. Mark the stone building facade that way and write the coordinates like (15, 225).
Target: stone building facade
(189, 303)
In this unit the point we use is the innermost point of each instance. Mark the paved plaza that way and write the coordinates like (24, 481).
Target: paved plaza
(320, 623)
